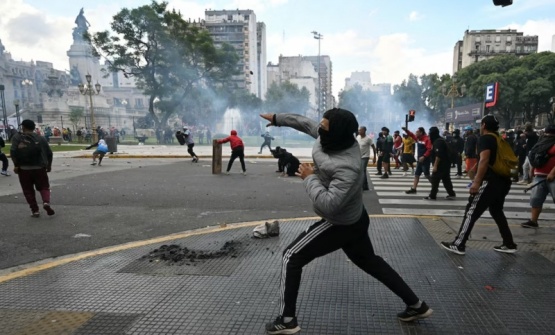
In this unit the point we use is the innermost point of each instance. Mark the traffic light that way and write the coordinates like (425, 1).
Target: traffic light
(412, 113)
(503, 2)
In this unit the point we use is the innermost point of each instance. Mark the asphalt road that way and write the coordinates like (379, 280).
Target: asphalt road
(127, 200)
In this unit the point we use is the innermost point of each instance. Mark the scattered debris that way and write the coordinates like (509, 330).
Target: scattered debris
(81, 235)
(174, 254)
(460, 267)
(266, 230)
(489, 288)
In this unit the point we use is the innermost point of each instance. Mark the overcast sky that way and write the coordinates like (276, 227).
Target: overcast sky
(389, 38)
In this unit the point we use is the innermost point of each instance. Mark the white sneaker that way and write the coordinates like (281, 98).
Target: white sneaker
(244, 173)
(5, 173)
(523, 182)
(227, 173)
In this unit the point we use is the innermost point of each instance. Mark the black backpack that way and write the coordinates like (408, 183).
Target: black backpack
(180, 138)
(29, 151)
(452, 151)
(538, 156)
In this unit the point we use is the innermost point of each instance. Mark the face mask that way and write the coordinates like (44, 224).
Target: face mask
(325, 138)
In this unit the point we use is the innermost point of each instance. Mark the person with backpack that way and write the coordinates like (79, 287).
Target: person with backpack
(185, 137)
(441, 168)
(542, 159)
(32, 160)
(4, 159)
(491, 185)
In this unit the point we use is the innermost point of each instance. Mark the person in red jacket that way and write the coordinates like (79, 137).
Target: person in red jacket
(424, 148)
(237, 150)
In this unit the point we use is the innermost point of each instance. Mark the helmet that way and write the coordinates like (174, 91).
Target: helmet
(468, 128)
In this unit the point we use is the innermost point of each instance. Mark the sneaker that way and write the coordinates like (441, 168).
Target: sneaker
(5, 173)
(411, 314)
(280, 327)
(244, 173)
(451, 197)
(505, 249)
(385, 176)
(411, 191)
(48, 209)
(227, 173)
(523, 182)
(93, 163)
(452, 248)
(529, 224)
(378, 174)
(429, 198)
(35, 214)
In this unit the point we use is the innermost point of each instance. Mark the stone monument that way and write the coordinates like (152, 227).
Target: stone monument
(81, 58)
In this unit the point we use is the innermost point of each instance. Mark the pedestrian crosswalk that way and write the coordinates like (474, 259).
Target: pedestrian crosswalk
(394, 201)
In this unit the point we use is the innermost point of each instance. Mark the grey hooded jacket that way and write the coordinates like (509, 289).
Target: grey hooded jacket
(335, 189)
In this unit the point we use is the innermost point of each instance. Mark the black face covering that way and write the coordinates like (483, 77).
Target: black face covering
(340, 136)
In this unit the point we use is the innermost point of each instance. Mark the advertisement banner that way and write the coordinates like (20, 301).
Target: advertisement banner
(464, 114)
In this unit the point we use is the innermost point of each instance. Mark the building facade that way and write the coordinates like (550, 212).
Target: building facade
(479, 45)
(240, 29)
(303, 71)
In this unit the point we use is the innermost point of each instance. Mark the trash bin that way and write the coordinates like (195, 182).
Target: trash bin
(111, 143)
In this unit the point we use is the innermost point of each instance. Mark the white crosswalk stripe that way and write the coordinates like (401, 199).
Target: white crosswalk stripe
(394, 201)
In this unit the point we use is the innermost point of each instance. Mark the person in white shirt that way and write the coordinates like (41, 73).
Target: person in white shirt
(365, 142)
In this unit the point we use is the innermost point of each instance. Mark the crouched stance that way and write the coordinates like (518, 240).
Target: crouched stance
(337, 197)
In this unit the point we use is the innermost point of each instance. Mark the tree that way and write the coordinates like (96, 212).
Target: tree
(75, 115)
(167, 55)
(287, 97)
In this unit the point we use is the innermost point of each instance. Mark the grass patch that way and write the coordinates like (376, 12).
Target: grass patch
(55, 147)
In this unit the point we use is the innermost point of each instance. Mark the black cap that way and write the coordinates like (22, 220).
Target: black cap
(28, 124)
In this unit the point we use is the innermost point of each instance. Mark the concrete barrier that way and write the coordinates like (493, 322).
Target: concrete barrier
(56, 139)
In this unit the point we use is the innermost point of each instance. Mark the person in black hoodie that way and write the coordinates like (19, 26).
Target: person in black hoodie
(441, 169)
(4, 159)
(457, 143)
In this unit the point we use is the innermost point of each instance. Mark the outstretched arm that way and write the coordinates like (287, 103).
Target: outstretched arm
(295, 121)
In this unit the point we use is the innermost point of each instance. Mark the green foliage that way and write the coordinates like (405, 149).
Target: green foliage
(75, 115)
(287, 98)
(167, 55)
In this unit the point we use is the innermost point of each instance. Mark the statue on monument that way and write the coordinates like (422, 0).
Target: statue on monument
(82, 27)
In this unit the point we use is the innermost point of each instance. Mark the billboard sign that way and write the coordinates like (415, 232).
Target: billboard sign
(492, 91)
(464, 114)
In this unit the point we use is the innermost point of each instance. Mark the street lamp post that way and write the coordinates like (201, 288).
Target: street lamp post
(4, 111)
(453, 91)
(319, 37)
(88, 89)
(16, 104)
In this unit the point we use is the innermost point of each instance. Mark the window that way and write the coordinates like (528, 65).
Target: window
(509, 38)
(138, 102)
(487, 48)
(478, 39)
(246, 17)
(508, 49)
(488, 38)
(230, 17)
(497, 38)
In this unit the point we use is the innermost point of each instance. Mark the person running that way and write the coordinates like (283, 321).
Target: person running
(32, 160)
(333, 186)
(424, 147)
(365, 143)
(267, 141)
(441, 170)
(397, 148)
(488, 191)
(237, 150)
(187, 138)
